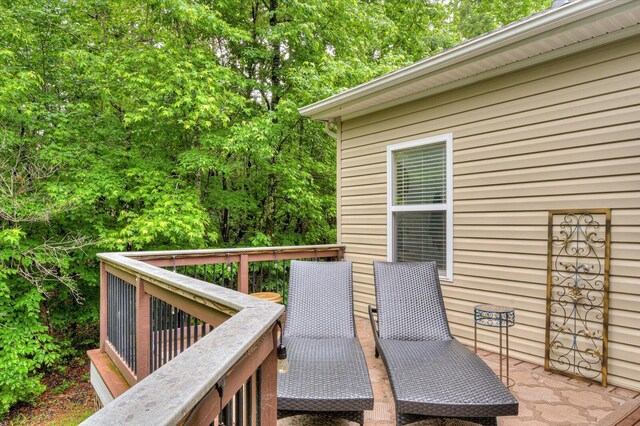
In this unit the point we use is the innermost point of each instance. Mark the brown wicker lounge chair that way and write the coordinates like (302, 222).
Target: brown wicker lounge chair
(432, 374)
(328, 374)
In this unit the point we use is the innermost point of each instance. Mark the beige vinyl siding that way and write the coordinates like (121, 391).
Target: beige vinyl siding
(560, 135)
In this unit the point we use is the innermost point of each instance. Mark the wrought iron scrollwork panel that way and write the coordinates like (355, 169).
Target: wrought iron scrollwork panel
(578, 293)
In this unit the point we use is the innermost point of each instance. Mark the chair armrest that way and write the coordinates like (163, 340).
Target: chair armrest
(374, 327)
(374, 323)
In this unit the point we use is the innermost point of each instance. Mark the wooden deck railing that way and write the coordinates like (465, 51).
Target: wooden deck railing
(158, 305)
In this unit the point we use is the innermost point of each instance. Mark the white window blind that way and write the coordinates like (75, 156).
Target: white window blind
(421, 175)
(420, 202)
(422, 236)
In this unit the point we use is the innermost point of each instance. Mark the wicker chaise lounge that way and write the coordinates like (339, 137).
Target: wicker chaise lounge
(328, 373)
(432, 374)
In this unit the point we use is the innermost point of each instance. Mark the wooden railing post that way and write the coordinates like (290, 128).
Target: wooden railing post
(268, 385)
(243, 275)
(103, 306)
(143, 331)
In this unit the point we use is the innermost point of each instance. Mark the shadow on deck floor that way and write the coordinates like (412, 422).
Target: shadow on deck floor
(545, 398)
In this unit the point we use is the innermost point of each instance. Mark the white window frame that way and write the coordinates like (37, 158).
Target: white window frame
(448, 206)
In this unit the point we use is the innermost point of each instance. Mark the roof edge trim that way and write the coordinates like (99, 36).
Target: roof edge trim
(535, 25)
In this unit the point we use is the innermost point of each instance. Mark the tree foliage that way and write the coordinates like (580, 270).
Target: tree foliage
(173, 124)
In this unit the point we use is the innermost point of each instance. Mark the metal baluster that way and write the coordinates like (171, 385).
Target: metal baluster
(258, 396)
(228, 413)
(239, 407)
(120, 320)
(188, 330)
(114, 297)
(222, 275)
(175, 332)
(127, 336)
(181, 331)
(248, 387)
(152, 318)
(252, 283)
(269, 274)
(127, 322)
(164, 332)
(109, 308)
(131, 328)
(158, 333)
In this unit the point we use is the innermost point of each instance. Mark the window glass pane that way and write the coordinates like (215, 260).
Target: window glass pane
(420, 175)
(422, 236)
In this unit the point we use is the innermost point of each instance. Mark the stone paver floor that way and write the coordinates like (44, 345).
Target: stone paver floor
(545, 398)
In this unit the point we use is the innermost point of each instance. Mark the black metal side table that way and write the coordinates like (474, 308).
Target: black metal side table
(495, 316)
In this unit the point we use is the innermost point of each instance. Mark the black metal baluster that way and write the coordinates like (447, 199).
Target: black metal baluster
(175, 332)
(114, 313)
(120, 320)
(258, 396)
(152, 336)
(249, 387)
(132, 325)
(181, 325)
(127, 326)
(239, 407)
(223, 269)
(236, 275)
(228, 413)
(109, 308)
(222, 417)
(269, 275)
(164, 332)
(157, 333)
(277, 266)
(172, 333)
(188, 330)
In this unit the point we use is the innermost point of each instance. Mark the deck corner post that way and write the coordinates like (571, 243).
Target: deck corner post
(243, 275)
(268, 385)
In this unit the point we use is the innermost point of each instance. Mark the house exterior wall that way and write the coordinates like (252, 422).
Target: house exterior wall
(560, 135)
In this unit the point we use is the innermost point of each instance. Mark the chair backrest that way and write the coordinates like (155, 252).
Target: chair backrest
(409, 302)
(320, 302)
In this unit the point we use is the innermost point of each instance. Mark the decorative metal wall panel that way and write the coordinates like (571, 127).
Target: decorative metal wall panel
(578, 293)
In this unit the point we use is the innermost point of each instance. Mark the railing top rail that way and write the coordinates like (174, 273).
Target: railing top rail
(181, 284)
(171, 392)
(146, 255)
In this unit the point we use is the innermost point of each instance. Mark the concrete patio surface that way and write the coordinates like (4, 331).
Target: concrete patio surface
(545, 398)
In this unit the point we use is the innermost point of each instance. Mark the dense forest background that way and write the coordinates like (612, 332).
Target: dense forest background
(129, 125)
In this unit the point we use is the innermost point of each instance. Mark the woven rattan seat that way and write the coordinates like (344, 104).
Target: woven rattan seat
(431, 373)
(328, 373)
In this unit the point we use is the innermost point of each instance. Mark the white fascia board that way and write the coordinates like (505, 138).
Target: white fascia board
(510, 34)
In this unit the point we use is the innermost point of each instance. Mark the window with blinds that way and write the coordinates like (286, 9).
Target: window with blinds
(420, 202)
(420, 175)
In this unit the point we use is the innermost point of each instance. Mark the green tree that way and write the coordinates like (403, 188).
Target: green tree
(173, 124)
(475, 17)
